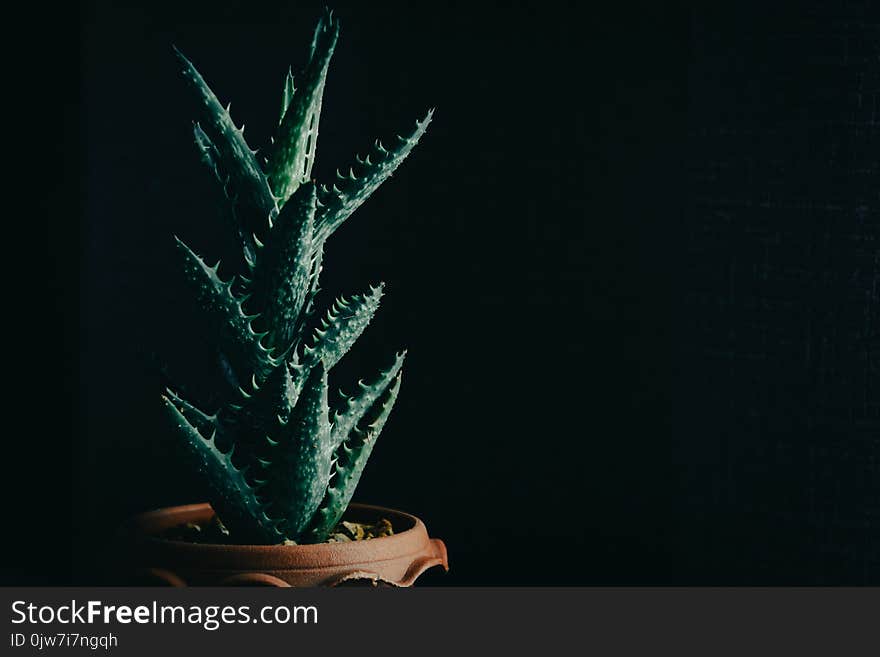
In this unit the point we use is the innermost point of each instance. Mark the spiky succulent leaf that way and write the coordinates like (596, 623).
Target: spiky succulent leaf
(300, 458)
(274, 397)
(236, 340)
(351, 458)
(282, 275)
(340, 200)
(212, 159)
(258, 412)
(232, 497)
(286, 94)
(293, 150)
(357, 407)
(313, 288)
(209, 153)
(341, 327)
(205, 424)
(231, 159)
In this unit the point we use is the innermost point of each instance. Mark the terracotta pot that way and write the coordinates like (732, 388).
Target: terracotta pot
(395, 560)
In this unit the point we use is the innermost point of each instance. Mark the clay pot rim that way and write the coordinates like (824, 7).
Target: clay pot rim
(140, 527)
(396, 560)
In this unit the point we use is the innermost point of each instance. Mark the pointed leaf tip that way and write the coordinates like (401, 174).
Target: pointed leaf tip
(348, 194)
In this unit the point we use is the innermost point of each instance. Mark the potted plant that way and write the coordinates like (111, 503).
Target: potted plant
(279, 465)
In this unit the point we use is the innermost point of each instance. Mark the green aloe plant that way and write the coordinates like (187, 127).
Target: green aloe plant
(279, 464)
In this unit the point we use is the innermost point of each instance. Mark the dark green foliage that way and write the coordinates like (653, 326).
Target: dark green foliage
(341, 199)
(238, 343)
(232, 496)
(224, 149)
(301, 451)
(343, 325)
(282, 272)
(277, 462)
(352, 454)
(293, 149)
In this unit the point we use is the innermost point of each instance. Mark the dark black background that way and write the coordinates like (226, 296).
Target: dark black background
(634, 261)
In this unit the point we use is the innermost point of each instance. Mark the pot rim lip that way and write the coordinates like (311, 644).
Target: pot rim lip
(134, 528)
